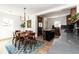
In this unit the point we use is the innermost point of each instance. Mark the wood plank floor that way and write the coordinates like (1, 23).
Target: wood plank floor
(44, 50)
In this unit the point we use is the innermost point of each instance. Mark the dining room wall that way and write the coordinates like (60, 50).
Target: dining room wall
(7, 30)
(8, 24)
(33, 19)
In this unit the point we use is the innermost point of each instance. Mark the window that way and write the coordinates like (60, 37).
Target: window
(57, 24)
(6, 27)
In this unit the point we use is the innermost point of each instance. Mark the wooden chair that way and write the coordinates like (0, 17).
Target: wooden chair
(15, 37)
(21, 40)
(30, 41)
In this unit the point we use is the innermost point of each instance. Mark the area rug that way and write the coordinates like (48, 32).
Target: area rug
(12, 50)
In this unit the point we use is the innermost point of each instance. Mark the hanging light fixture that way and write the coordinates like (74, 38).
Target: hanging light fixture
(24, 21)
(24, 14)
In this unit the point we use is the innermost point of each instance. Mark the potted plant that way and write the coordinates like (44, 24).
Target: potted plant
(75, 17)
(23, 25)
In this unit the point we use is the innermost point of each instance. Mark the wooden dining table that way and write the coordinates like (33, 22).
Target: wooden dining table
(24, 38)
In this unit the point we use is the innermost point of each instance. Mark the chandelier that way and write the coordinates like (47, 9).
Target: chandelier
(23, 25)
(24, 14)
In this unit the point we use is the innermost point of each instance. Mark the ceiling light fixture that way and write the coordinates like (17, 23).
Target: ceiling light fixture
(24, 14)
(23, 25)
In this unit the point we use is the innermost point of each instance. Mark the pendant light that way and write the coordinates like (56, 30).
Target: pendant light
(24, 15)
(23, 25)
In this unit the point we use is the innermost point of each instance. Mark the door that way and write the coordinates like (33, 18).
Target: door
(40, 25)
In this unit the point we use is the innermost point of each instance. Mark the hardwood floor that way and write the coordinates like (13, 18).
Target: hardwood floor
(45, 49)
(68, 43)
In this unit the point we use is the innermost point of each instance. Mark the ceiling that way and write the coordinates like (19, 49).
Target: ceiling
(57, 13)
(46, 10)
(18, 9)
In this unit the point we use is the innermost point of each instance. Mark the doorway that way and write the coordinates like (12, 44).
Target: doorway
(39, 26)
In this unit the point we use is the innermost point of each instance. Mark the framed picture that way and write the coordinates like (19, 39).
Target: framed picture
(28, 23)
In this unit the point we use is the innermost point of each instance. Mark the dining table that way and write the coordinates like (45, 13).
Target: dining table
(25, 38)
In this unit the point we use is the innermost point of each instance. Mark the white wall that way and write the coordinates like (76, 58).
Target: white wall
(7, 31)
(52, 20)
(45, 23)
(33, 19)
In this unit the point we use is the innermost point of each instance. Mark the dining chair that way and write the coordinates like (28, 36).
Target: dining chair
(15, 37)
